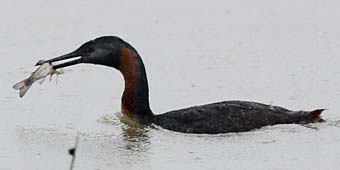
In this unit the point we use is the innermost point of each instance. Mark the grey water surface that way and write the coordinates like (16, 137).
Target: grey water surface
(283, 53)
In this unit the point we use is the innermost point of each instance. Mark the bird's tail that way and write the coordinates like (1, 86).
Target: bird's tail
(22, 86)
(314, 116)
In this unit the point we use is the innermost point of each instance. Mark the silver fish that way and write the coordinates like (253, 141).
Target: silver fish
(39, 74)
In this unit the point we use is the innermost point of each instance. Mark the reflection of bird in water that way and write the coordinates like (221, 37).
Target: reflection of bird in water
(222, 117)
(136, 139)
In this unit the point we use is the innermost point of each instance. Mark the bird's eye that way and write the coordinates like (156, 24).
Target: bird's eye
(90, 50)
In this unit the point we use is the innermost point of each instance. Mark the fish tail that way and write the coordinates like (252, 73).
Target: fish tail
(19, 85)
(23, 90)
(23, 86)
(314, 116)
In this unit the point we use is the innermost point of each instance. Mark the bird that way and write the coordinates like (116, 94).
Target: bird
(214, 118)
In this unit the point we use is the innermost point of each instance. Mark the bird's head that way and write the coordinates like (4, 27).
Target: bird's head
(103, 50)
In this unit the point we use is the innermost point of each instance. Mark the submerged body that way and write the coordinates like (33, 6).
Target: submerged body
(222, 117)
(39, 74)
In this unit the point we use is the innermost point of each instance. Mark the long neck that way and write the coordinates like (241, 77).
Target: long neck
(135, 100)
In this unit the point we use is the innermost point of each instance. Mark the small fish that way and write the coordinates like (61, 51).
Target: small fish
(40, 74)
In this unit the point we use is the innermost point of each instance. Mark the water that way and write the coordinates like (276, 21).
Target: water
(282, 53)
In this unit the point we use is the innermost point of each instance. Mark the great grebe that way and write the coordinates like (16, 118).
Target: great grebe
(222, 117)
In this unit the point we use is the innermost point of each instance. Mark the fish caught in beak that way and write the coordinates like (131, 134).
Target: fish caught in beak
(71, 55)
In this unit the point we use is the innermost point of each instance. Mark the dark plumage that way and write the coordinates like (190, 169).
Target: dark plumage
(230, 116)
(222, 117)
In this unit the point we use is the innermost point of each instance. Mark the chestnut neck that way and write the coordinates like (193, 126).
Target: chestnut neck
(135, 99)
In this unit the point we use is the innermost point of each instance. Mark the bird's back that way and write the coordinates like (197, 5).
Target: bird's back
(228, 116)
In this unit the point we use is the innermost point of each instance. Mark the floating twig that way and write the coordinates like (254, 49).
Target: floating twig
(73, 151)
